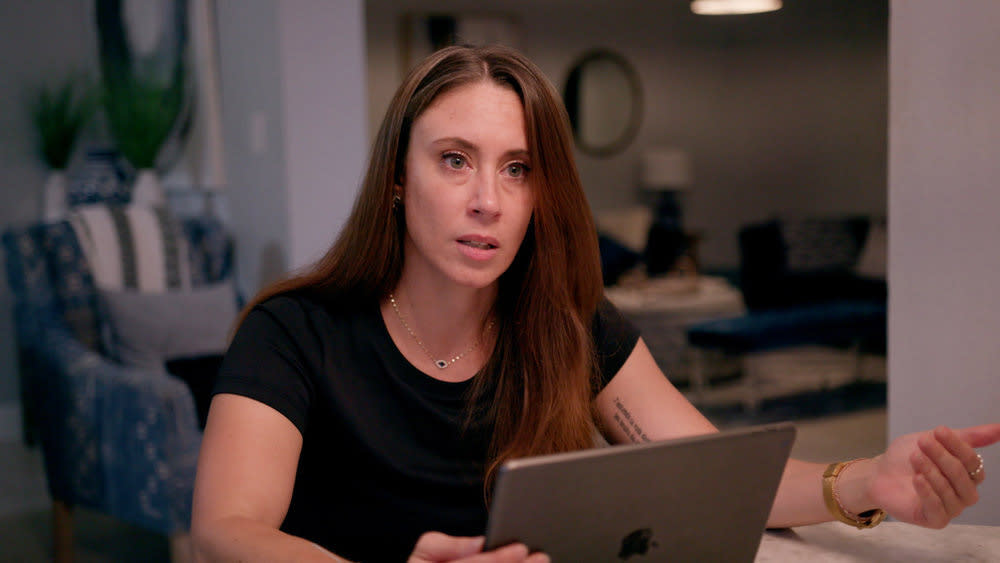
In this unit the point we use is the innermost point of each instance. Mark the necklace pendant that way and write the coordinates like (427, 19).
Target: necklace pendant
(441, 364)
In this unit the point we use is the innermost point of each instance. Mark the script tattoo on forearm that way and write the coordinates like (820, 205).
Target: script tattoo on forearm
(628, 424)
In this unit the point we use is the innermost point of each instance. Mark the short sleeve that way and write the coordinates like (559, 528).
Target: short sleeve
(614, 339)
(266, 361)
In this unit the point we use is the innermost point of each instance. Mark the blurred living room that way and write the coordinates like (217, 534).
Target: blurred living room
(796, 208)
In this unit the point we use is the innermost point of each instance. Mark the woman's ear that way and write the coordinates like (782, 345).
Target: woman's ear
(400, 178)
(397, 188)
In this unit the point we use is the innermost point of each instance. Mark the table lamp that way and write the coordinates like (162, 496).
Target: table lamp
(668, 172)
(733, 7)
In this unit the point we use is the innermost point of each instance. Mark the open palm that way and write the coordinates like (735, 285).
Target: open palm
(924, 478)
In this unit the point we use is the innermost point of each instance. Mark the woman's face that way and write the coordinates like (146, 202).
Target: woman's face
(467, 189)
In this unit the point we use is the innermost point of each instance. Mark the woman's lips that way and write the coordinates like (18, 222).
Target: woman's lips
(478, 247)
(479, 241)
(476, 244)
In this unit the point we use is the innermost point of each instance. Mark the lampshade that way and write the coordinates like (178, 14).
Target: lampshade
(666, 168)
(727, 7)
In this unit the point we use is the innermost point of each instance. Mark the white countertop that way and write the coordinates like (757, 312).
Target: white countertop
(888, 542)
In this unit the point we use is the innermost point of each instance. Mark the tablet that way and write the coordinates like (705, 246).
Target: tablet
(701, 498)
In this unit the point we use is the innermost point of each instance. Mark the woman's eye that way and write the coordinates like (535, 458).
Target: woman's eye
(517, 170)
(455, 161)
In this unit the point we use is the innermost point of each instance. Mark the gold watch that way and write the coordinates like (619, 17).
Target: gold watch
(867, 519)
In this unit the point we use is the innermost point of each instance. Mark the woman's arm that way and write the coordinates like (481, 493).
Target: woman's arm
(922, 478)
(640, 404)
(246, 470)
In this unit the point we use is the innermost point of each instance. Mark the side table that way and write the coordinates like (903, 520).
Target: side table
(662, 308)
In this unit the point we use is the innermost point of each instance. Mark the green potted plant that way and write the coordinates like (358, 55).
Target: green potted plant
(59, 114)
(141, 114)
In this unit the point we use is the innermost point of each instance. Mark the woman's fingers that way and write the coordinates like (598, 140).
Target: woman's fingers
(435, 546)
(932, 512)
(958, 447)
(980, 436)
(951, 468)
(970, 460)
(939, 484)
(513, 553)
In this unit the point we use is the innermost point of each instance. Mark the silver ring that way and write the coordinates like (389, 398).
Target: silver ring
(979, 469)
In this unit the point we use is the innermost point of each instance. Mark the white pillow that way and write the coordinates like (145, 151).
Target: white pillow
(150, 328)
(132, 247)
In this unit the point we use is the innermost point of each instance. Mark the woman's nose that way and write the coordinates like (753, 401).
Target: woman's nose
(485, 200)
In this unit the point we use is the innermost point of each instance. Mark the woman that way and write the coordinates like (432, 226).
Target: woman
(365, 406)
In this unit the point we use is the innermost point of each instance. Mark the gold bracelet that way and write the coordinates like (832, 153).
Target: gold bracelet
(867, 519)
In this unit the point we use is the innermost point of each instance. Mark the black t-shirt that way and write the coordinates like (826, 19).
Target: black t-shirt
(386, 453)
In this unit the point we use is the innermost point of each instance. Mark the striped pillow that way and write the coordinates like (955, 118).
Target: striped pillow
(133, 247)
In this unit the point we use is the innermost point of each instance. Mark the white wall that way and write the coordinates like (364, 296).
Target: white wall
(322, 48)
(252, 126)
(944, 196)
(783, 112)
(293, 109)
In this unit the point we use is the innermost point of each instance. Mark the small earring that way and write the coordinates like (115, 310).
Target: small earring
(396, 200)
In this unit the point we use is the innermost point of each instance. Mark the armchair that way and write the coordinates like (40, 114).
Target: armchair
(116, 439)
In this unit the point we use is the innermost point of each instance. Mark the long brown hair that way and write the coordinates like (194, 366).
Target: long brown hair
(539, 381)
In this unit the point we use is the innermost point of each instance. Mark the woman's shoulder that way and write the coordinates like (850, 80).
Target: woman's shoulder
(609, 322)
(309, 306)
(614, 339)
(288, 303)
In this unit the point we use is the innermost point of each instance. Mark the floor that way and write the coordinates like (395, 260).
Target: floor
(25, 527)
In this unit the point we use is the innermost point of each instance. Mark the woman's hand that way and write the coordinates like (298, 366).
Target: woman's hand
(927, 478)
(435, 547)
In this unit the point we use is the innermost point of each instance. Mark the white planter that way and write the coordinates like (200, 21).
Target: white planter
(147, 189)
(54, 204)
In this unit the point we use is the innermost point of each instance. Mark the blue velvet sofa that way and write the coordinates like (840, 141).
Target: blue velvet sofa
(802, 285)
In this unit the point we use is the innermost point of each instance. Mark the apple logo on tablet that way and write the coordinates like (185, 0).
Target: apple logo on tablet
(636, 543)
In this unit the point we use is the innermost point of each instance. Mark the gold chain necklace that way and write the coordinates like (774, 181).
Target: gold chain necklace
(441, 364)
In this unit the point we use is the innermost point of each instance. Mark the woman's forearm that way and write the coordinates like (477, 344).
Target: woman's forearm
(242, 539)
(800, 495)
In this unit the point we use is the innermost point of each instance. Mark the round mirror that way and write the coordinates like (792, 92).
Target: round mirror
(604, 99)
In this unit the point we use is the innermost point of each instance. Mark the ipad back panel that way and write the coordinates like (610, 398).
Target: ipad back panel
(699, 498)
